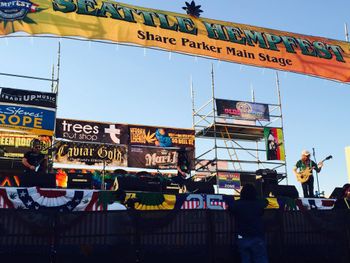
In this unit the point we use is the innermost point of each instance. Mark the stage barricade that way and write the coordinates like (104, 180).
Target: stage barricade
(170, 236)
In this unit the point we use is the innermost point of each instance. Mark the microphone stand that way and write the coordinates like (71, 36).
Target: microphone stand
(318, 184)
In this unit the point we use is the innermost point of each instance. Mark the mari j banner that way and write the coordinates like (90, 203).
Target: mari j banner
(117, 22)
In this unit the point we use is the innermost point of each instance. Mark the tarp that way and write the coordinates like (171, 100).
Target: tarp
(116, 22)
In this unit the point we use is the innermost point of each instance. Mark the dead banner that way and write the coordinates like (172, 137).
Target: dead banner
(14, 145)
(161, 136)
(89, 131)
(155, 158)
(91, 153)
(233, 42)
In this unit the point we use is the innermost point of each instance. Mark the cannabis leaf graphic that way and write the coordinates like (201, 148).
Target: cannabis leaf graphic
(193, 9)
(149, 137)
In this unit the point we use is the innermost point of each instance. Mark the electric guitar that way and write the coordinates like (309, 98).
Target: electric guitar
(304, 175)
(38, 165)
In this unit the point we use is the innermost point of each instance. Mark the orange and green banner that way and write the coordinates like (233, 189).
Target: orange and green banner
(122, 23)
(274, 144)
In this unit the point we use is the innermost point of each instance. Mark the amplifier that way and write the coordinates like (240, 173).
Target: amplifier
(79, 180)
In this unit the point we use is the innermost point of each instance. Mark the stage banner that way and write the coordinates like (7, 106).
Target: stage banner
(275, 149)
(225, 41)
(229, 180)
(28, 97)
(15, 145)
(90, 153)
(88, 131)
(243, 110)
(161, 136)
(155, 158)
(28, 119)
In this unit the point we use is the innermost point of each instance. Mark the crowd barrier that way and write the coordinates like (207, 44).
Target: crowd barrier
(168, 236)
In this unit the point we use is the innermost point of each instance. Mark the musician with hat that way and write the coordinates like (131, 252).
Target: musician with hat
(303, 171)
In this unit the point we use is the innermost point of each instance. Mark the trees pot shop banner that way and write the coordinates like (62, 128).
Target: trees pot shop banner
(118, 22)
(26, 111)
(87, 131)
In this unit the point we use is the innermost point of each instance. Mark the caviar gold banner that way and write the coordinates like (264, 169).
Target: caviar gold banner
(109, 20)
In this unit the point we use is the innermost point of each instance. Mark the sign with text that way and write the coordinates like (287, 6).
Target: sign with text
(152, 158)
(229, 180)
(225, 41)
(28, 97)
(161, 136)
(91, 153)
(243, 110)
(88, 131)
(15, 145)
(28, 119)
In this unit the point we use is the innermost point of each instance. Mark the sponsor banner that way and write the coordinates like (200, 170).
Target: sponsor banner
(90, 153)
(274, 144)
(161, 136)
(33, 120)
(229, 180)
(27, 97)
(226, 41)
(14, 145)
(155, 158)
(87, 131)
(243, 110)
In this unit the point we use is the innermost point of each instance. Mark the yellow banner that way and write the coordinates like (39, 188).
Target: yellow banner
(107, 20)
(347, 157)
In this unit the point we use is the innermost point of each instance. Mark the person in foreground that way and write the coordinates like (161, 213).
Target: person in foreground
(343, 201)
(248, 212)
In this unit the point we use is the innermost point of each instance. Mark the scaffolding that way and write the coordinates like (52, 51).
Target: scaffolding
(232, 145)
(10, 164)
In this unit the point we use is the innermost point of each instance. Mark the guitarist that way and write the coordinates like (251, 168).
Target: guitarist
(183, 168)
(35, 163)
(306, 163)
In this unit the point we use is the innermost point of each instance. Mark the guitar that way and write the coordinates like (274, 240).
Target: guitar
(39, 165)
(304, 175)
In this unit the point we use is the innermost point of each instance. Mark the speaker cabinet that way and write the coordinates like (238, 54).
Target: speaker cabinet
(79, 181)
(284, 190)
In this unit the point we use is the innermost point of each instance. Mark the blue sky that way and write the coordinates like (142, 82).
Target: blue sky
(122, 84)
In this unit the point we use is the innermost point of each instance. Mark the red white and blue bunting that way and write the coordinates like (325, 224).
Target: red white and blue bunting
(67, 200)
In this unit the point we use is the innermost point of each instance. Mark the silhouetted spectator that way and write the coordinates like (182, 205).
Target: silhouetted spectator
(343, 201)
(248, 212)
